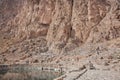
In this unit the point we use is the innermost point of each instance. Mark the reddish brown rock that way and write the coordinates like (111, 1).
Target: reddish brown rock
(63, 24)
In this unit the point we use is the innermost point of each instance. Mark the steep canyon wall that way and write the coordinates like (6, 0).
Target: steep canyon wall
(64, 24)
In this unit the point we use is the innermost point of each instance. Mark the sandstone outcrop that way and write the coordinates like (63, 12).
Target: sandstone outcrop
(63, 24)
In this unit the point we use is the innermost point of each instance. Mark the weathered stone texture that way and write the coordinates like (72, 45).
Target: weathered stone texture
(66, 24)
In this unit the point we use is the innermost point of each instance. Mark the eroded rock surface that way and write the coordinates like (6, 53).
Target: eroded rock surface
(64, 25)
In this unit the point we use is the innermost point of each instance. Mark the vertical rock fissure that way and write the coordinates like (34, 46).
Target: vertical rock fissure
(72, 3)
(71, 29)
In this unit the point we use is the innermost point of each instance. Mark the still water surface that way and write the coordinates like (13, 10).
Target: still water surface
(28, 75)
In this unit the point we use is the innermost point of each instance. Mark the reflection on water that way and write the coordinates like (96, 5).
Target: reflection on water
(28, 75)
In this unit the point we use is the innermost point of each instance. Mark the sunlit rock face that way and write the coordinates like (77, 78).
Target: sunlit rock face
(64, 24)
(77, 22)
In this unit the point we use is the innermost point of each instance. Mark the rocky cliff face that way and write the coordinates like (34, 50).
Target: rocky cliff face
(63, 25)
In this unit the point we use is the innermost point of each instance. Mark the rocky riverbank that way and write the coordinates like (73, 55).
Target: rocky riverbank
(91, 75)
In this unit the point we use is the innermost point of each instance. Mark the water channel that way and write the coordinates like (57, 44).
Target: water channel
(23, 74)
